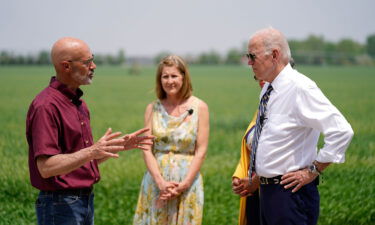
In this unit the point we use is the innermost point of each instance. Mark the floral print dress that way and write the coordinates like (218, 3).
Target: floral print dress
(173, 149)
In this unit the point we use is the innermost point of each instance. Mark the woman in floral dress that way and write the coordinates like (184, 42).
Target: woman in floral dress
(172, 188)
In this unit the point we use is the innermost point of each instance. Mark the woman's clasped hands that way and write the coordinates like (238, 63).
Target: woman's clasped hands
(168, 191)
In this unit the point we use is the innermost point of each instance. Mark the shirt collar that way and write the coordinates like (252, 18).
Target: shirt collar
(279, 80)
(63, 89)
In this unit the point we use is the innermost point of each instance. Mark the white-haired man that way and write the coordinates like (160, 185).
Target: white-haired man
(292, 113)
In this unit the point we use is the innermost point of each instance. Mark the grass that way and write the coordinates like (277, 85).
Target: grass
(117, 99)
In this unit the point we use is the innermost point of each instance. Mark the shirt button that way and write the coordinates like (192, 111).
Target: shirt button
(82, 123)
(86, 142)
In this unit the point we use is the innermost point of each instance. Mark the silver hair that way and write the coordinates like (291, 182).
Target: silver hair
(274, 39)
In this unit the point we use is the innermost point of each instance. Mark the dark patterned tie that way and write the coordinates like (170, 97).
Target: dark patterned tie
(258, 128)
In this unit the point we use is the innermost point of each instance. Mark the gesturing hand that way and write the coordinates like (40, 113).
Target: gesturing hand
(107, 146)
(134, 140)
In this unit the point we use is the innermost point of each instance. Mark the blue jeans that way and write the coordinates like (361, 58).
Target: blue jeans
(56, 208)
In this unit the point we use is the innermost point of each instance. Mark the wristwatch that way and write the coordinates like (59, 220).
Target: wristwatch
(313, 169)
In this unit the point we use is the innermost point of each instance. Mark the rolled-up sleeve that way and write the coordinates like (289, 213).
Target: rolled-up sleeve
(317, 112)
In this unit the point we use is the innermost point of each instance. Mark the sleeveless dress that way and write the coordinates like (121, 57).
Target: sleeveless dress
(174, 148)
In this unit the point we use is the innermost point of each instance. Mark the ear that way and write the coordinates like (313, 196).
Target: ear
(65, 65)
(275, 54)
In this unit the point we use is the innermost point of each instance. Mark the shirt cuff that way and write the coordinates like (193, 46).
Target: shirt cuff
(329, 157)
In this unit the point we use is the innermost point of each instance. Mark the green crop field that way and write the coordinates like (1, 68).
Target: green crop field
(117, 99)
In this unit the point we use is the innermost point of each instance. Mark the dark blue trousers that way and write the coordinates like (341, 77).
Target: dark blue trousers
(253, 209)
(282, 207)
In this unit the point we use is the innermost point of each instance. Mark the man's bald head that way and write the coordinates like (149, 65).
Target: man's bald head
(73, 62)
(68, 48)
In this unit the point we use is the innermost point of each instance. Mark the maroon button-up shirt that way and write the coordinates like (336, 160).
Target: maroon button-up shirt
(58, 122)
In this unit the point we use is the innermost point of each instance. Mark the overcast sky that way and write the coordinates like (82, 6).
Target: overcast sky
(145, 28)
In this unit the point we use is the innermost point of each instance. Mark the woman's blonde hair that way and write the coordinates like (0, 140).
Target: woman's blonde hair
(174, 60)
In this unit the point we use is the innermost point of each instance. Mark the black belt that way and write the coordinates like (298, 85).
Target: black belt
(277, 180)
(272, 180)
(76, 192)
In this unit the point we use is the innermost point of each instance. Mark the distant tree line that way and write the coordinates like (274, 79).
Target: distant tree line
(314, 50)
(43, 58)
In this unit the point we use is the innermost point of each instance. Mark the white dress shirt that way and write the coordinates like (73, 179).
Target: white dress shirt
(297, 112)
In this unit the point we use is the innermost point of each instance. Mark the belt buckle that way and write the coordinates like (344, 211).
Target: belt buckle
(265, 180)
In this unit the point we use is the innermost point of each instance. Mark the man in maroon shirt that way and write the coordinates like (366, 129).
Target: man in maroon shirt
(63, 158)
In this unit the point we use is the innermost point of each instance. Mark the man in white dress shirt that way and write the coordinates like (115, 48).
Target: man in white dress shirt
(287, 160)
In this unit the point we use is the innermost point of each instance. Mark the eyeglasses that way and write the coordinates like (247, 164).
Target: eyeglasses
(251, 56)
(85, 62)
